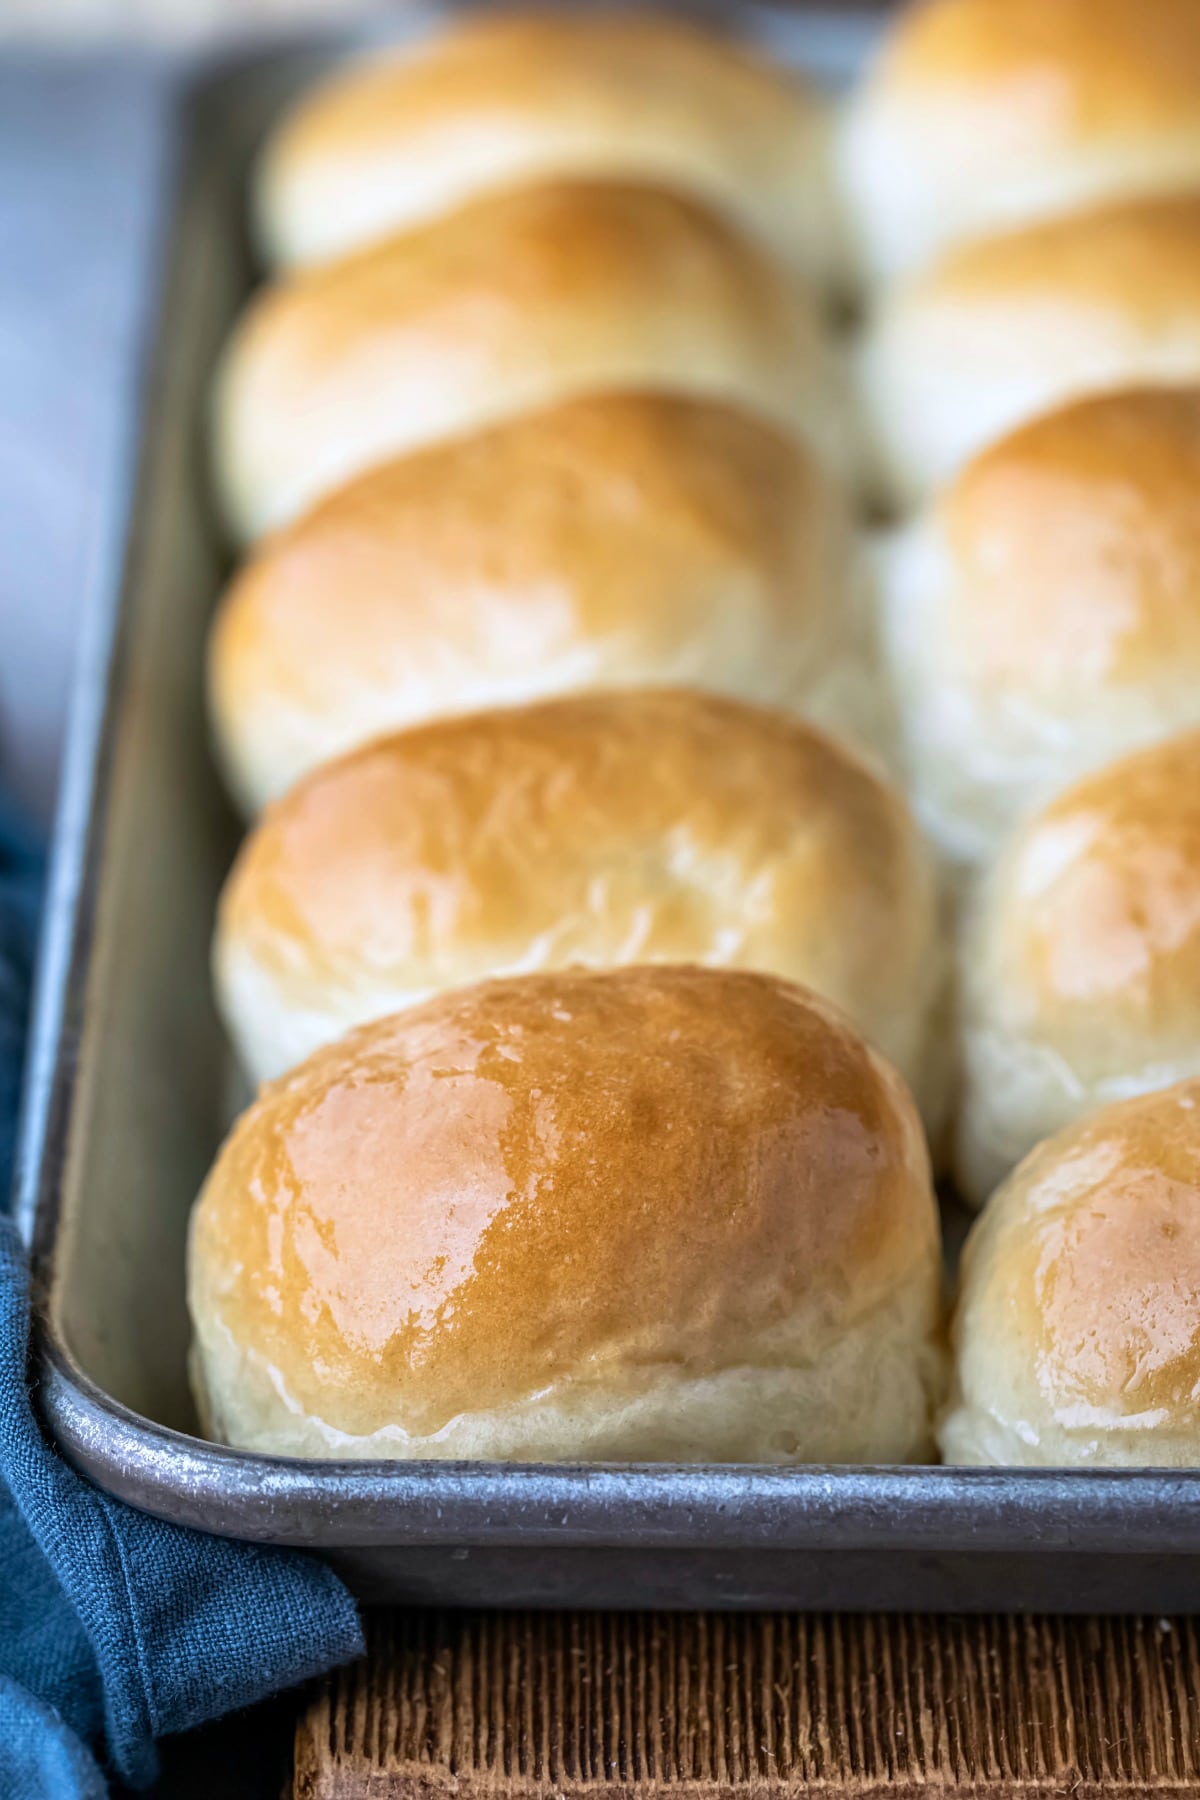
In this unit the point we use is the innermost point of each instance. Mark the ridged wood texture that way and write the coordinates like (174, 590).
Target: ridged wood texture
(548, 1704)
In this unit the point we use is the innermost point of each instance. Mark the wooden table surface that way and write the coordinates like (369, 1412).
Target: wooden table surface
(546, 1704)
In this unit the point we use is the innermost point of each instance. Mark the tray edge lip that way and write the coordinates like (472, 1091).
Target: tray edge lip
(915, 1509)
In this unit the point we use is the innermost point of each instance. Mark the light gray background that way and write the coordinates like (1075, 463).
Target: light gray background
(79, 140)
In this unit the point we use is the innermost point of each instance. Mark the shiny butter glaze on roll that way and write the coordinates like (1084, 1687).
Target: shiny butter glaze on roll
(1077, 1334)
(667, 1214)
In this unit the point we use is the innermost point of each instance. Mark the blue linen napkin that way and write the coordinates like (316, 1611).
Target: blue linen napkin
(116, 1628)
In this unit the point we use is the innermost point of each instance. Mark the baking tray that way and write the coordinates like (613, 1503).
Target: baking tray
(128, 1094)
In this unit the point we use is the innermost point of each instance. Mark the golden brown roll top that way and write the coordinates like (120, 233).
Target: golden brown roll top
(1045, 617)
(651, 1214)
(510, 303)
(1000, 331)
(501, 99)
(614, 540)
(598, 830)
(1081, 966)
(1077, 1337)
(983, 115)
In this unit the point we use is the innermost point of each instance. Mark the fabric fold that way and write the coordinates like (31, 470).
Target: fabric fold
(116, 1628)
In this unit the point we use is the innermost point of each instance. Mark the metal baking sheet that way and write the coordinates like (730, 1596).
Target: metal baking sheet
(128, 1097)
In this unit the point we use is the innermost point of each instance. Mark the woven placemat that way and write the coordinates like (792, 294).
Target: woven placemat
(605, 1704)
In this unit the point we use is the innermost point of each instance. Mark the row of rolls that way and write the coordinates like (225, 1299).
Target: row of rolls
(713, 684)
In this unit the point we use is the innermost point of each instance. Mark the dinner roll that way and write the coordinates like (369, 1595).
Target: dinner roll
(981, 115)
(1077, 1337)
(1081, 966)
(1045, 616)
(508, 304)
(614, 540)
(601, 829)
(1003, 330)
(650, 1214)
(498, 99)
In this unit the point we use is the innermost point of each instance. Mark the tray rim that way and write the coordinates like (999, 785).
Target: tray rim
(919, 1509)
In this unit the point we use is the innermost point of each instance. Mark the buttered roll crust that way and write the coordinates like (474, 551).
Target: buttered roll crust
(665, 1214)
(1077, 1335)
(1080, 973)
(1003, 330)
(617, 540)
(1044, 617)
(657, 826)
(499, 99)
(980, 116)
(508, 304)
